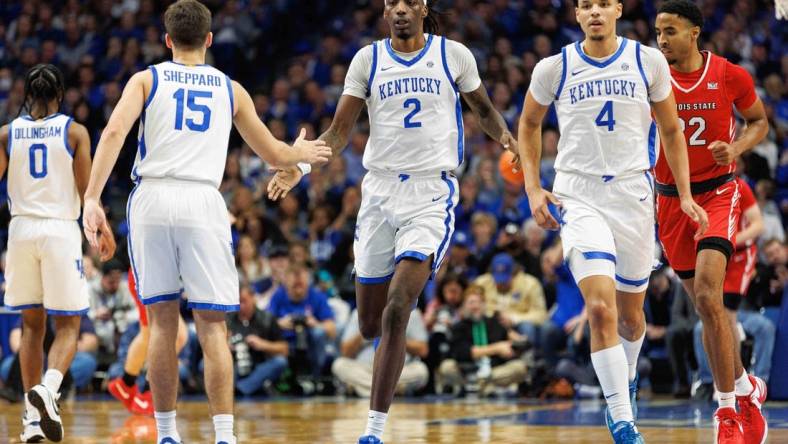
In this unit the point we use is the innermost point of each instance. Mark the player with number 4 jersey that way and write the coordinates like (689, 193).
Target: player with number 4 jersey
(708, 89)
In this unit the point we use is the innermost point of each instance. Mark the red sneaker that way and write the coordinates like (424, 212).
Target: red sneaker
(122, 392)
(753, 423)
(142, 404)
(727, 429)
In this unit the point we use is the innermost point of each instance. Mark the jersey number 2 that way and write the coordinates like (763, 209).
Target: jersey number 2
(605, 117)
(191, 97)
(35, 171)
(416, 108)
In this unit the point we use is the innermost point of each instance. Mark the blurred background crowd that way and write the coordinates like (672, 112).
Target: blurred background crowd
(297, 331)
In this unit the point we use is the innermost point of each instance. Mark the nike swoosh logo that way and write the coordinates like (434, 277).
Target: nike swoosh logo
(386, 68)
(644, 198)
(722, 191)
(121, 391)
(142, 404)
(576, 72)
(438, 198)
(608, 397)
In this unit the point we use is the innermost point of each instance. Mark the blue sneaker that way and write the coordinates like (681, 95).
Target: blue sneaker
(625, 432)
(369, 439)
(169, 440)
(633, 396)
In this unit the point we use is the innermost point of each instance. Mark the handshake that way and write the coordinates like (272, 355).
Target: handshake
(315, 152)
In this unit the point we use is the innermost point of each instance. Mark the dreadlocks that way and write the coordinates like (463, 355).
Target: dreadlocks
(43, 84)
(431, 25)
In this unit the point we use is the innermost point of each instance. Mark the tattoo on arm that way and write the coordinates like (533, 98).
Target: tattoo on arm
(490, 120)
(334, 140)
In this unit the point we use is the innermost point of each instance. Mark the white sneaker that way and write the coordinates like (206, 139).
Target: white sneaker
(32, 429)
(46, 403)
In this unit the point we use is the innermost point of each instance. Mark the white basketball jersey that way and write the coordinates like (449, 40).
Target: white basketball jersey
(40, 168)
(604, 113)
(415, 112)
(185, 125)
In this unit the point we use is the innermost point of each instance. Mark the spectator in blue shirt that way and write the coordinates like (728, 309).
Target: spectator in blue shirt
(303, 314)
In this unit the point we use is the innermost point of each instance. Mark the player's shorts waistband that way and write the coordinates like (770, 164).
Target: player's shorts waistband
(603, 178)
(695, 187)
(174, 181)
(406, 176)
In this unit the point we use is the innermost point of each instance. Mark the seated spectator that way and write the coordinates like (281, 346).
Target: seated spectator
(306, 319)
(112, 308)
(252, 268)
(678, 339)
(82, 366)
(444, 309)
(354, 367)
(259, 351)
(517, 297)
(482, 349)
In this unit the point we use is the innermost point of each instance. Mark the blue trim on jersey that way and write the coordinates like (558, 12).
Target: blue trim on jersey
(652, 145)
(446, 222)
(141, 143)
(153, 88)
(128, 241)
(374, 67)
(166, 297)
(640, 66)
(599, 255)
(374, 280)
(650, 181)
(457, 106)
(605, 63)
(213, 307)
(30, 118)
(412, 61)
(67, 312)
(421, 257)
(563, 74)
(10, 137)
(65, 138)
(232, 99)
(626, 281)
(23, 307)
(183, 64)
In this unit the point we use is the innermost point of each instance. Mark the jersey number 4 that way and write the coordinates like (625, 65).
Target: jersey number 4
(38, 170)
(190, 98)
(605, 117)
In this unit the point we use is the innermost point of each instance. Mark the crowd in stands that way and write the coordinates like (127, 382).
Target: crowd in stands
(503, 316)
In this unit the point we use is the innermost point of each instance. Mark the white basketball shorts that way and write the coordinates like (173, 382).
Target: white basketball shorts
(607, 227)
(44, 266)
(179, 239)
(403, 216)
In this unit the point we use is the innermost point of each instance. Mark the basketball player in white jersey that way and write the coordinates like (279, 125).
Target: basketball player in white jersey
(605, 89)
(411, 84)
(179, 227)
(48, 167)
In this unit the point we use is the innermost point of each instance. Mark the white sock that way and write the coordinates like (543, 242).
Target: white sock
(632, 350)
(376, 422)
(610, 365)
(223, 427)
(743, 385)
(52, 380)
(727, 400)
(165, 425)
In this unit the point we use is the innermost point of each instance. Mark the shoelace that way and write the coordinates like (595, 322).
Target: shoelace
(729, 426)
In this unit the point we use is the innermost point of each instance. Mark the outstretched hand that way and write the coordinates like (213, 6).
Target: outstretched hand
(283, 181)
(312, 151)
(97, 230)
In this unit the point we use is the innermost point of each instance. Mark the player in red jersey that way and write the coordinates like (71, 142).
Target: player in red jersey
(741, 266)
(707, 89)
(137, 399)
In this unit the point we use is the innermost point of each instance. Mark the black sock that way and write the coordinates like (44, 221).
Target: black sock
(128, 379)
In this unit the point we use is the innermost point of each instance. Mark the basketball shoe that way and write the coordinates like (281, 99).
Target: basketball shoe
(727, 428)
(754, 426)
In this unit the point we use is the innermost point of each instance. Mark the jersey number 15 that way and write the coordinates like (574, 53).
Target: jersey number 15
(190, 98)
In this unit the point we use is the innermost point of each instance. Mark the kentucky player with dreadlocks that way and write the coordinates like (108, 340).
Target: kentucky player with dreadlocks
(48, 161)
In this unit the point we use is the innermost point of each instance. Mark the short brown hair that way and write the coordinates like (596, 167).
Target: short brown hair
(188, 22)
(474, 289)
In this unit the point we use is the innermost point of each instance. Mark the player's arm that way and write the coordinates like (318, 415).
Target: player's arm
(126, 112)
(757, 126)
(264, 144)
(530, 150)
(336, 137)
(79, 139)
(490, 120)
(3, 149)
(675, 146)
(755, 227)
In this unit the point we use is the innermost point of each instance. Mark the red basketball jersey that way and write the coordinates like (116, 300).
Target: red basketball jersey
(705, 99)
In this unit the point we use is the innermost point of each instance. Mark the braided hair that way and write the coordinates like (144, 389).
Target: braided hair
(431, 25)
(43, 84)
